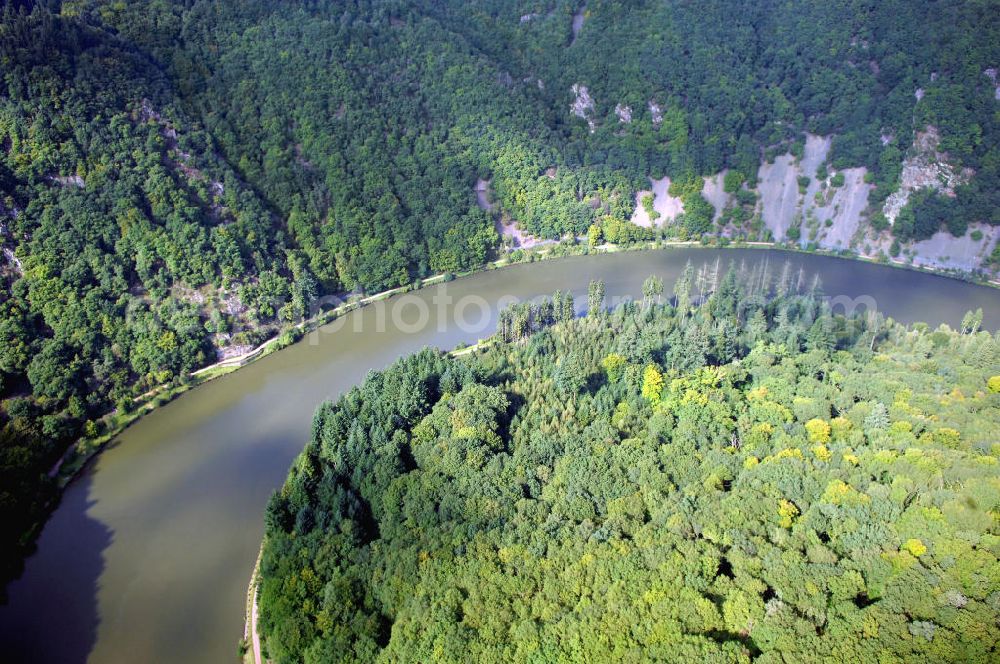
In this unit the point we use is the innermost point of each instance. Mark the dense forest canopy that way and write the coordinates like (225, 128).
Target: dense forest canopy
(180, 178)
(734, 476)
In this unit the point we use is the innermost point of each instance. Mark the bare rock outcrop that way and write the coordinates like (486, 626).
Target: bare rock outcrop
(656, 112)
(925, 168)
(967, 253)
(10, 259)
(68, 181)
(715, 193)
(624, 113)
(583, 105)
(666, 206)
(577, 25)
(825, 215)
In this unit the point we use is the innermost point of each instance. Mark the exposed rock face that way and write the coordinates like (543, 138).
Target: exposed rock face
(624, 113)
(186, 294)
(991, 74)
(829, 216)
(9, 263)
(944, 250)
(232, 304)
(12, 260)
(583, 105)
(147, 112)
(182, 159)
(577, 25)
(779, 194)
(68, 181)
(715, 193)
(228, 352)
(666, 205)
(656, 112)
(835, 217)
(506, 228)
(843, 207)
(925, 168)
(483, 195)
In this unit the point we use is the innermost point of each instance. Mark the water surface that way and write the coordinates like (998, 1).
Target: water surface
(148, 557)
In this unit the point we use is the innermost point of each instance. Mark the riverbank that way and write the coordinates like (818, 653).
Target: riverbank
(79, 454)
(250, 644)
(470, 347)
(163, 531)
(84, 450)
(792, 248)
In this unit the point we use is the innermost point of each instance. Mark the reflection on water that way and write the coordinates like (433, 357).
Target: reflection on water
(54, 617)
(148, 557)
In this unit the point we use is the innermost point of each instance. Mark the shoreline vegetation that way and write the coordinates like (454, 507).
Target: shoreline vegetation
(755, 495)
(188, 187)
(80, 453)
(249, 644)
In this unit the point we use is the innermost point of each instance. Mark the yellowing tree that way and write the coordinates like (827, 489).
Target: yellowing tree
(614, 365)
(915, 547)
(594, 235)
(787, 510)
(822, 453)
(652, 383)
(818, 430)
(948, 437)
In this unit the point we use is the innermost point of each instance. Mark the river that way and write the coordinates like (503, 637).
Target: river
(148, 557)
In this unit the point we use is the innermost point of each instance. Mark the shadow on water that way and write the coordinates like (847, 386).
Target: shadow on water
(182, 497)
(57, 620)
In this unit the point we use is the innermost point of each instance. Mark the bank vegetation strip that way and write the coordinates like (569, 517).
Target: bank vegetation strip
(80, 453)
(250, 644)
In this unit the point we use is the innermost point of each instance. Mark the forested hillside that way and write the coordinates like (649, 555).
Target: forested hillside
(181, 179)
(111, 204)
(747, 478)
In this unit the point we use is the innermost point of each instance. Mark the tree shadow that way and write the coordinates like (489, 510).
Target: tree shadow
(52, 612)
